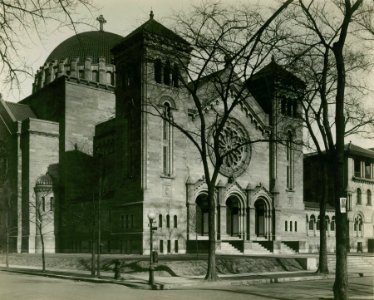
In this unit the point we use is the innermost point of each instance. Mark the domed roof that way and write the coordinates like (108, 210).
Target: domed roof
(92, 44)
(44, 180)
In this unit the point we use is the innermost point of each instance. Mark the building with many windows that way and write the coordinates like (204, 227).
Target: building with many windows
(359, 182)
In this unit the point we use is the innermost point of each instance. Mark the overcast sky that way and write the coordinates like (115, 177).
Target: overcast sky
(122, 17)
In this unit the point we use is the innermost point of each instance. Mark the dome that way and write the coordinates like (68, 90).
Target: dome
(92, 44)
(44, 180)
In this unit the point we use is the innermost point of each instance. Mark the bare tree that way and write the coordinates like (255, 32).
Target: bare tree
(21, 21)
(328, 59)
(312, 62)
(227, 47)
(42, 216)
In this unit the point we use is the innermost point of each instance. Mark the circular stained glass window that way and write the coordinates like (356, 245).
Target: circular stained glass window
(234, 146)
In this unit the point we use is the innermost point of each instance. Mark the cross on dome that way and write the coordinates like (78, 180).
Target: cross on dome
(102, 21)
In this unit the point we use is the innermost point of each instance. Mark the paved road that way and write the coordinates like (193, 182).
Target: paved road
(26, 287)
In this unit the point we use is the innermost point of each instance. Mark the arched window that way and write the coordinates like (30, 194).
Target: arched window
(167, 71)
(285, 225)
(368, 193)
(81, 74)
(167, 221)
(43, 203)
(160, 221)
(358, 223)
(318, 223)
(175, 76)
(332, 225)
(294, 109)
(290, 225)
(175, 221)
(167, 141)
(358, 196)
(327, 221)
(295, 226)
(290, 163)
(283, 106)
(158, 68)
(312, 220)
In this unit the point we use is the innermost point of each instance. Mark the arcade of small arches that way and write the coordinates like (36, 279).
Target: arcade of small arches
(314, 224)
(234, 218)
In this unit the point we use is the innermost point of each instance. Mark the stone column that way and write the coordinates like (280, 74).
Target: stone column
(87, 69)
(191, 207)
(222, 213)
(252, 220)
(102, 71)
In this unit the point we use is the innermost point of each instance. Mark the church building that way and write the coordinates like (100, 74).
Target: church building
(80, 155)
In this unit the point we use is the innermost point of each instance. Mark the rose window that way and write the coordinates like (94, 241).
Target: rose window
(234, 146)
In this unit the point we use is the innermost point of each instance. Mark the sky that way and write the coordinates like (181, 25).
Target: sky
(122, 17)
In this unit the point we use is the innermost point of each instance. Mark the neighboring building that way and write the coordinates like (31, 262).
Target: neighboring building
(359, 182)
(75, 148)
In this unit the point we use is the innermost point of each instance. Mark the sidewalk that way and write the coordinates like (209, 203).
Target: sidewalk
(140, 280)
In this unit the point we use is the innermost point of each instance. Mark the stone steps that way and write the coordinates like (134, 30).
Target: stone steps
(356, 264)
(286, 249)
(257, 249)
(227, 248)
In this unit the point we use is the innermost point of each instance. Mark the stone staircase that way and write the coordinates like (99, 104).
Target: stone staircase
(257, 249)
(356, 264)
(227, 248)
(286, 249)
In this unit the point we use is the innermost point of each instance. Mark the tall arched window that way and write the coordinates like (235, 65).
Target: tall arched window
(167, 140)
(358, 223)
(368, 194)
(290, 163)
(332, 225)
(167, 71)
(312, 220)
(160, 221)
(167, 221)
(318, 222)
(175, 221)
(295, 226)
(158, 67)
(359, 196)
(175, 76)
(285, 226)
(290, 225)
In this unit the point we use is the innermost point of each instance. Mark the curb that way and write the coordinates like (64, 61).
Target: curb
(191, 284)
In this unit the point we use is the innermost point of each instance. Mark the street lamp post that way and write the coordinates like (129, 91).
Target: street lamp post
(151, 217)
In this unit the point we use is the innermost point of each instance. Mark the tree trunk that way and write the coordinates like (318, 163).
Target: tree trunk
(43, 253)
(322, 263)
(7, 241)
(212, 271)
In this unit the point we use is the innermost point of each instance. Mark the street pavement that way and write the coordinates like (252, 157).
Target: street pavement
(29, 287)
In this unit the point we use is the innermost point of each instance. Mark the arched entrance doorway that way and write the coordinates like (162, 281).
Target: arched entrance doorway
(260, 214)
(232, 216)
(202, 215)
